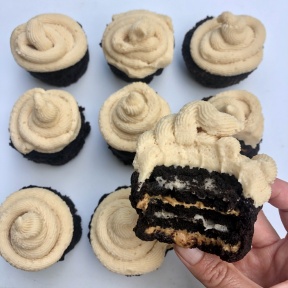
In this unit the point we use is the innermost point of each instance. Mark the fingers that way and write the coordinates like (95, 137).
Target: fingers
(211, 271)
(279, 199)
(264, 233)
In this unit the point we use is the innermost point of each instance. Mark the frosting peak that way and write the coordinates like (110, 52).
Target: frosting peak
(48, 42)
(44, 121)
(229, 44)
(129, 112)
(201, 136)
(139, 42)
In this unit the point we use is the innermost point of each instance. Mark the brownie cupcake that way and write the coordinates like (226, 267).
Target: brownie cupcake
(52, 48)
(114, 242)
(48, 126)
(38, 227)
(126, 114)
(246, 107)
(192, 187)
(138, 45)
(222, 51)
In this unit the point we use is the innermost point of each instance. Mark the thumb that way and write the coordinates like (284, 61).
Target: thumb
(211, 271)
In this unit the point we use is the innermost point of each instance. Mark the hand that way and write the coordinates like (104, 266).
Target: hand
(265, 265)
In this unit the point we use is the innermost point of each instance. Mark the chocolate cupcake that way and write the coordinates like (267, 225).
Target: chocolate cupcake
(52, 48)
(38, 227)
(138, 45)
(192, 187)
(246, 107)
(114, 242)
(126, 114)
(220, 52)
(48, 126)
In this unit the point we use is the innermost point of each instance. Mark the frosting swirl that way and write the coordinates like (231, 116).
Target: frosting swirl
(48, 42)
(139, 42)
(114, 241)
(200, 136)
(44, 121)
(128, 113)
(246, 108)
(228, 45)
(36, 227)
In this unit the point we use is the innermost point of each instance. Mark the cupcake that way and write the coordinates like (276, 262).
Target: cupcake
(192, 187)
(246, 107)
(47, 126)
(138, 45)
(223, 51)
(52, 48)
(114, 242)
(38, 227)
(128, 113)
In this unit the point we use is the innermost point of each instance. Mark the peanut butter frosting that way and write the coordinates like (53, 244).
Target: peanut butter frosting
(48, 42)
(36, 227)
(129, 112)
(114, 241)
(246, 107)
(139, 42)
(44, 120)
(202, 136)
(228, 45)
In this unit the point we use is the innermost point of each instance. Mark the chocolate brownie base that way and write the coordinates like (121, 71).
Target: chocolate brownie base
(77, 232)
(66, 154)
(203, 77)
(126, 78)
(124, 156)
(194, 208)
(64, 77)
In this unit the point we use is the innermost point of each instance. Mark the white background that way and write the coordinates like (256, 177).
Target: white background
(96, 171)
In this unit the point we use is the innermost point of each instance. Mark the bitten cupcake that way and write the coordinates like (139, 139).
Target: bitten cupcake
(192, 187)
(38, 227)
(223, 51)
(138, 44)
(246, 107)
(47, 126)
(126, 114)
(52, 48)
(114, 241)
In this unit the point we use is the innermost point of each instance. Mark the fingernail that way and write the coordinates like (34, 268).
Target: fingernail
(192, 256)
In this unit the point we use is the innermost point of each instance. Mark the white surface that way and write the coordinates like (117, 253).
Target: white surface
(96, 171)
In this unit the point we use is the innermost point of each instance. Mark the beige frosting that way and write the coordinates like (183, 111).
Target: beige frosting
(139, 42)
(246, 108)
(44, 121)
(228, 45)
(48, 42)
(36, 227)
(128, 113)
(201, 136)
(114, 241)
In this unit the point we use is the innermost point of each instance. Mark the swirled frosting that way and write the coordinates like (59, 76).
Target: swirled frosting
(228, 45)
(128, 113)
(36, 227)
(201, 136)
(114, 241)
(139, 42)
(48, 42)
(44, 121)
(246, 108)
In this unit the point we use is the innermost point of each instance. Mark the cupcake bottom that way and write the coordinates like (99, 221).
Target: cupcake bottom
(203, 77)
(126, 78)
(66, 154)
(124, 156)
(192, 207)
(64, 77)
(77, 232)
